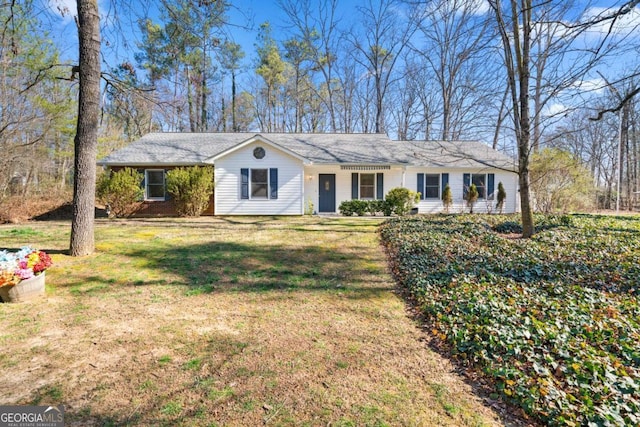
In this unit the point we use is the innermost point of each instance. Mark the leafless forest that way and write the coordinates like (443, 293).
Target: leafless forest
(442, 69)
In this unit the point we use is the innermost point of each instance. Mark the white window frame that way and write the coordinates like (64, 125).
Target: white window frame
(439, 186)
(375, 183)
(268, 196)
(146, 185)
(484, 187)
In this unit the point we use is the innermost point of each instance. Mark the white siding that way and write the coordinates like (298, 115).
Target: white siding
(509, 181)
(392, 179)
(228, 181)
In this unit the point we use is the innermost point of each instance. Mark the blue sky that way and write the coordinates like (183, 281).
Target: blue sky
(245, 16)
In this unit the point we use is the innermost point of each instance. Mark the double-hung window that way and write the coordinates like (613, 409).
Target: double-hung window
(259, 184)
(480, 181)
(484, 183)
(154, 184)
(430, 185)
(367, 186)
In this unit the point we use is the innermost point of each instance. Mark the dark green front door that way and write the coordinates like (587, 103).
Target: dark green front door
(327, 193)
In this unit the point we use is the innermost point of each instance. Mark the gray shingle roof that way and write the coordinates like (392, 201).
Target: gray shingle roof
(199, 148)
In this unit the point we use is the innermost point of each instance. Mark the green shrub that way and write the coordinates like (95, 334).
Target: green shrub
(447, 198)
(376, 206)
(472, 197)
(560, 182)
(191, 189)
(363, 207)
(308, 207)
(346, 208)
(121, 191)
(360, 207)
(502, 196)
(401, 200)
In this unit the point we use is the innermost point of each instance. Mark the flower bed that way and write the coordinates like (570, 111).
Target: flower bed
(553, 321)
(21, 267)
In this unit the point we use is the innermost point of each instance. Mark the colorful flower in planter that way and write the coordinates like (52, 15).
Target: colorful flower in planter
(22, 265)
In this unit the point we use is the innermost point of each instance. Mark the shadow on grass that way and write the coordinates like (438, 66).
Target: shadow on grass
(212, 267)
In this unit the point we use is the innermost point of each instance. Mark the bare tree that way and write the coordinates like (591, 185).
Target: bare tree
(380, 43)
(316, 24)
(535, 34)
(456, 52)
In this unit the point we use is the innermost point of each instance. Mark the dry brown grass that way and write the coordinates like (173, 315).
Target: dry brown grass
(238, 321)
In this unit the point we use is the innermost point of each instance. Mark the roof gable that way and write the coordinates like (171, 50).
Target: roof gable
(253, 139)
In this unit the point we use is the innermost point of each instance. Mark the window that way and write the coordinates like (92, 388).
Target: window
(367, 185)
(431, 186)
(480, 180)
(259, 183)
(154, 187)
(483, 182)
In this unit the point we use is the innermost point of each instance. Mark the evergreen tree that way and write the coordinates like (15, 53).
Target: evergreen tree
(447, 198)
(502, 196)
(472, 197)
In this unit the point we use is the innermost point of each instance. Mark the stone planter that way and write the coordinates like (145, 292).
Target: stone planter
(26, 290)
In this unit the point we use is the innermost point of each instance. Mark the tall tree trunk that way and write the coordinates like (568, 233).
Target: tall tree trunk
(192, 114)
(234, 126)
(516, 41)
(203, 115)
(86, 140)
(223, 111)
(524, 143)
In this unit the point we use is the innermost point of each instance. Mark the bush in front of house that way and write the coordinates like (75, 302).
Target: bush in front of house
(191, 189)
(120, 190)
(402, 200)
(447, 198)
(363, 207)
(399, 201)
(355, 207)
(472, 197)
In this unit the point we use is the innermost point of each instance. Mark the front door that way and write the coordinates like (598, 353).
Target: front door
(327, 193)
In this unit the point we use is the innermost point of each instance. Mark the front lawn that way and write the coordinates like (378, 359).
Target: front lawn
(226, 321)
(553, 321)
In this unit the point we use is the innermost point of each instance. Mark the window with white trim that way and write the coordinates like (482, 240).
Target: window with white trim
(480, 181)
(431, 185)
(259, 183)
(154, 184)
(367, 186)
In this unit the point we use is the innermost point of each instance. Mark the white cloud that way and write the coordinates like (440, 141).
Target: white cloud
(66, 9)
(622, 26)
(592, 85)
(480, 7)
(556, 109)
